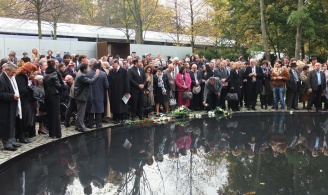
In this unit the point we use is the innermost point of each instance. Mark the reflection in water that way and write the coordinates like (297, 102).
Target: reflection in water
(267, 153)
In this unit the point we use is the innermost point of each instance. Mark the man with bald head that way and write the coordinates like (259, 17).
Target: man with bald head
(317, 86)
(253, 75)
(196, 81)
(171, 78)
(69, 80)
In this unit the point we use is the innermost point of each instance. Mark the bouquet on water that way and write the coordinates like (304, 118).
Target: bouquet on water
(220, 112)
(182, 111)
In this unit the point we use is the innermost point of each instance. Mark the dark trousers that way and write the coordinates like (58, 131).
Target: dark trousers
(53, 113)
(119, 117)
(292, 99)
(70, 109)
(222, 101)
(315, 98)
(264, 101)
(195, 101)
(234, 105)
(81, 108)
(19, 131)
(212, 101)
(252, 96)
(92, 117)
(136, 104)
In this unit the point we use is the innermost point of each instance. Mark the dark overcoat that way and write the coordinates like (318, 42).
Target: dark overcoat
(8, 107)
(118, 86)
(98, 90)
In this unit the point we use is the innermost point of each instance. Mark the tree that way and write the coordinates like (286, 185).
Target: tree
(263, 29)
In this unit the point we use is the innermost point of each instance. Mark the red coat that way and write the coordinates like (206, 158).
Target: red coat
(179, 81)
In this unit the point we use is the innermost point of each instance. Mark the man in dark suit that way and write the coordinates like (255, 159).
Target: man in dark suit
(317, 85)
(224, 76)
(236, 84)
(9, 104)
(82, 92)
(196, 81)
(253, 74)
(137, 80)
(293, 87)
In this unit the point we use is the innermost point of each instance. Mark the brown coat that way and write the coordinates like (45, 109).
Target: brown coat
(283, 72)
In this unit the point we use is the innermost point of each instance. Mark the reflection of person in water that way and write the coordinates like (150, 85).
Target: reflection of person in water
(161, 135)
(278, 140)
(183, 140)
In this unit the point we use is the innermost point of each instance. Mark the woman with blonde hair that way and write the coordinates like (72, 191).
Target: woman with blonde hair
(20, 63)
(35, 54)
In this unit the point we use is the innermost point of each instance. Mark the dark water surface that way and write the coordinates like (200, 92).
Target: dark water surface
(251, 153)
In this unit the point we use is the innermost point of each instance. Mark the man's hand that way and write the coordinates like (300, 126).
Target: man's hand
(97, 72)
(127, 95)
(16, 97)
(141, 86)
(219, 93)
(204, 102)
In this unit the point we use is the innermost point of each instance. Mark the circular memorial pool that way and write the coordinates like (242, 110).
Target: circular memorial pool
(250, 153)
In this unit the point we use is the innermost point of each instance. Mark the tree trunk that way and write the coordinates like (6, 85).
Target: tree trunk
(38, 13)
(264, 33)
(192, 33)
(177, 25)
(138, 27)
(55, 30)
(298, 33)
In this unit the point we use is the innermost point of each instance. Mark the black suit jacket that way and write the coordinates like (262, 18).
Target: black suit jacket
(313, 80)
(259, 76)
(193, 80)
(236, 79)
(135, 79)
(291, 84)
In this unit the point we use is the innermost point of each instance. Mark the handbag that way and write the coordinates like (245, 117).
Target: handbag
(232, 97)
(187, 95)
(173, 102)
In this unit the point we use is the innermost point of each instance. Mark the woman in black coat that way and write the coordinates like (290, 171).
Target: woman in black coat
(266, 92)
(24, 79)
(161, 91)
(53, 87)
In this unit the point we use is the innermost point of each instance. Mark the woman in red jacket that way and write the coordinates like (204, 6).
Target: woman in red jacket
(183, 82)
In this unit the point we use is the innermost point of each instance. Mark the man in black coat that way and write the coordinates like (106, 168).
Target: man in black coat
(82, 92)
(9, 97)
(118, 87)
(293, 87)
(196, 81)
(253, 74)
(137, 80)
(236, 84)
(317, 85)
(224, 76)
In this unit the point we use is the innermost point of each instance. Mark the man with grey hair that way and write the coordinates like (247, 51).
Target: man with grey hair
(10, 106)
(253, 75)
(212, 92)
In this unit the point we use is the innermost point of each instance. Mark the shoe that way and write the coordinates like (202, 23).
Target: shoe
(83, 130)
(98, 126)
(116, 122)
(24, 140)
(90, 126)
(66, 125)
(254, 109)
(141, 118)
(9, 147)
(248, 108)
(16, 145)
(42, 132)
(157, 115)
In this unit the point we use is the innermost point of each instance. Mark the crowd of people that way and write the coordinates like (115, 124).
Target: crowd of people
(50, 90)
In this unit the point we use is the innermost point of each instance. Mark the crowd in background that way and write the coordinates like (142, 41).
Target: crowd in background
(52, 89)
